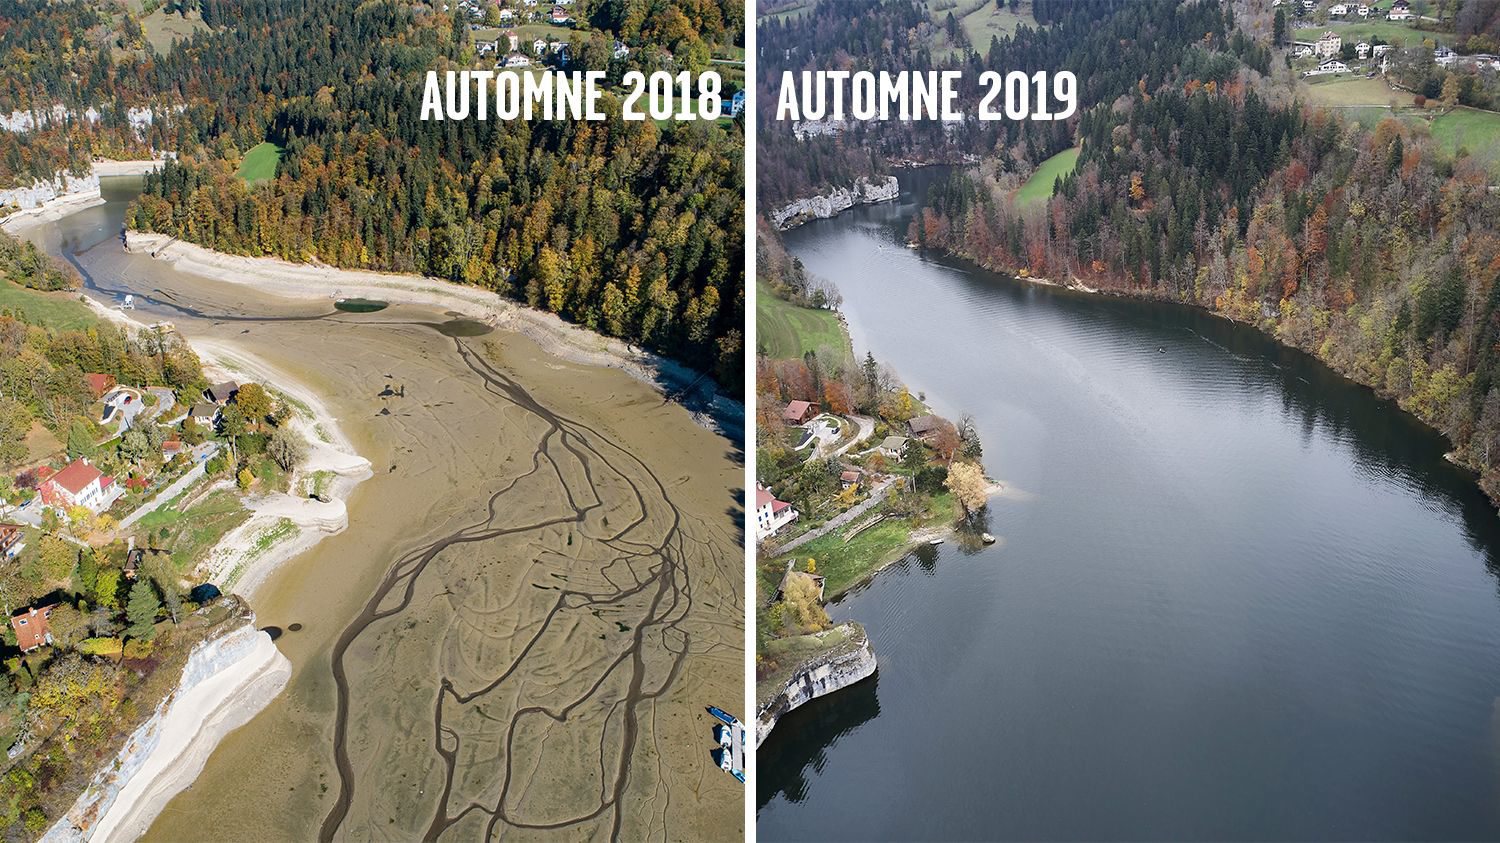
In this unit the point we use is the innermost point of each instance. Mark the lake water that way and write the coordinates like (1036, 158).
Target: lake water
(1235, 596)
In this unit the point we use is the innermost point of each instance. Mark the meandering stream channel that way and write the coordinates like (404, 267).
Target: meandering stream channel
(540, 589)
(1235, 596)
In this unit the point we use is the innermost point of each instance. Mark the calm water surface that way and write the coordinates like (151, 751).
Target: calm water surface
(1235, 596)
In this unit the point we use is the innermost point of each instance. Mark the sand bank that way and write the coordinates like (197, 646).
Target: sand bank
(226, 681)
(561, 339)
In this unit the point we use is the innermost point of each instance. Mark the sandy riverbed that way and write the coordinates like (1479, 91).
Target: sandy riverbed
(540, 588)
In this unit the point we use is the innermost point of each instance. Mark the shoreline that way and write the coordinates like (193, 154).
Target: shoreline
(573, 343)
(79, 194)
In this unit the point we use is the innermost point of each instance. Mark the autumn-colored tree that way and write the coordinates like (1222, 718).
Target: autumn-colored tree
(966, 482)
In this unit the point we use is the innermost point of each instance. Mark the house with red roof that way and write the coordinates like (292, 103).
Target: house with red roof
(80, 484)
(30, 626)
(12, 540)
(99, 383)
(770, 514)
(799, 412)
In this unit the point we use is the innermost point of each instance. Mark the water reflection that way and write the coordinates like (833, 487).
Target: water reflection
(804, 735)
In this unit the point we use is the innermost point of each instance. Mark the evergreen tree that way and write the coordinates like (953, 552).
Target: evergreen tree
(141, 610)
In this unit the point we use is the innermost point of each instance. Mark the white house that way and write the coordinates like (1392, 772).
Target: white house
(80, 484)
(1302, 51)
(621, 50)
(517, 60)
(507, 15)
(1400, 14)
(1364, 11)
(1362, 50)
(1338, 10)
(770, 514)
(1332, 66)
(1328, 45)
(1443, 56)
(539, 47)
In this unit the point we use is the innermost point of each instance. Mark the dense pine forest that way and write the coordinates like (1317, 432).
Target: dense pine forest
(1204, 176)
(632, 229)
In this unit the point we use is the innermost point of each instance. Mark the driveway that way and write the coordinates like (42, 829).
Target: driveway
(877, 494)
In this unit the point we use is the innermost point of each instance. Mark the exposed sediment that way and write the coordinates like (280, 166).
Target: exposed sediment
(865, 191)
(226, 681)
(838, 667)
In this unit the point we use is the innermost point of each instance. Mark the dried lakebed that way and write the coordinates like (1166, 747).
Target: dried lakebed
(539, 590)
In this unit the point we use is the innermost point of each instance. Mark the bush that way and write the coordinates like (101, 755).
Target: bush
(112, 647)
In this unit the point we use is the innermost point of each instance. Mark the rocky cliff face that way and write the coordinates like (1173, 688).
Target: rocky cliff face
(838, 667)
(225, 682)
(864, 192)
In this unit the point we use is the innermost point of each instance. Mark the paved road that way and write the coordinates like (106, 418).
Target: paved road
(877, 494)
(171, 491)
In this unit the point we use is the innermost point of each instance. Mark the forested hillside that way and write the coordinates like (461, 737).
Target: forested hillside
(1373, 248)
(632, 229)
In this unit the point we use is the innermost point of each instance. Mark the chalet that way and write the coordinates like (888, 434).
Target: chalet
(1364, 11)
(1338, 10)
(539, 47)
(799, 412)
(1330, 66)
(559, 16)
(1443, 56)
(923, 426)
(1301, 51)
(205, 414)
(621, 50)
(1380, 49)
(222, 393)
(517, 60)
(848, 478)
(770, 514)
(12, 540)
(171, 449)
(30, 626)
(1400, 10)
(507, 15)
(99, 383)
(893, 447)
(484, 48)
(1329, 45)
(80, 484)
(1362, 50)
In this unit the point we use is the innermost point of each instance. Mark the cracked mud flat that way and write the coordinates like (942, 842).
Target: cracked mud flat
(539, 591)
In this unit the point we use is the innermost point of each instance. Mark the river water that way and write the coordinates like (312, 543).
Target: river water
(540, 589)
(1235, 596)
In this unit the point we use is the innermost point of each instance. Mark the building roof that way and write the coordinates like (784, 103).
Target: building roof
(9, 533)
(31, 626)
(171, 445)
(796, 409)
(76, 477)
(99, 383)
(893, 443)
(763, 497)
(849, 476)
(203, 410)
(223, 391)
(923, 424)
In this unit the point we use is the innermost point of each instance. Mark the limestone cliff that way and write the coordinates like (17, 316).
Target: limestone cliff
(226, 681)
(864, 192)
(825, 671)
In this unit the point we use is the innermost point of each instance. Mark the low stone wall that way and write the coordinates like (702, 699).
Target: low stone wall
(836, 668)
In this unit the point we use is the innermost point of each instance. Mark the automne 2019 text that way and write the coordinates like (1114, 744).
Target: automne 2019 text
(924, 95)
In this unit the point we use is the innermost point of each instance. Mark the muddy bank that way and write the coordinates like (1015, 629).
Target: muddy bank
(226, 681)
(310, 282)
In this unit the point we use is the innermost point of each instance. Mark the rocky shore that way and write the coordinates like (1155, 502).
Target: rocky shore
(840, 665)
(864, 191)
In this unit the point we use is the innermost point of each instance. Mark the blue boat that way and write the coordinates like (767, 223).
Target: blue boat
(730, 735)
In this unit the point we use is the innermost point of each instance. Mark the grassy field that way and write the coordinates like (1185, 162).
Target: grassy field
(1353, 92)
(1479, 131)
(259, 164)
(1392, 32)
(163, 30)
(1038, 189)
(189, 534)
(61, 311)
(844, 564)
(787, 331)
(789, 11)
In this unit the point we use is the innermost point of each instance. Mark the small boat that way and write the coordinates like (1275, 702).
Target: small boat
(935, 541)
(987, 538)
(730, 735)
